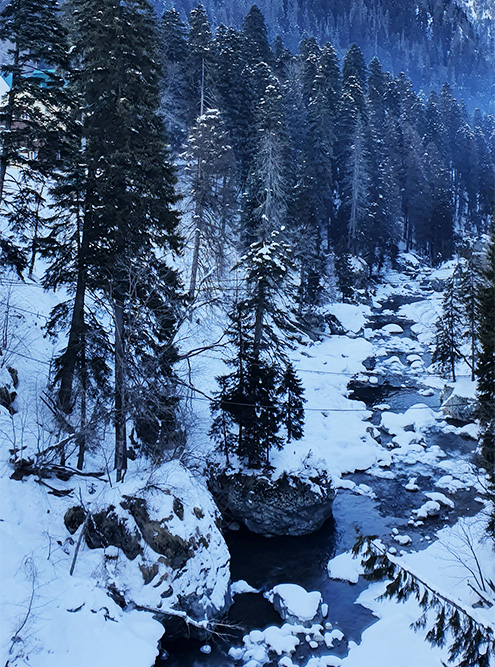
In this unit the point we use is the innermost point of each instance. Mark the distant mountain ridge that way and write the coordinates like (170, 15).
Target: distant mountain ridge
(432, 41)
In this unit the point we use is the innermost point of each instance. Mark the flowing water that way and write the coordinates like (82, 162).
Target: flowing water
(265, 562)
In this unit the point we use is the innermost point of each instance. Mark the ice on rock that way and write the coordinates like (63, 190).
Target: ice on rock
(392, 329)
(430, 508)
(411, 358)
(332, 637)
(419, 416)
(440, 498)
(451, 484)
(403, 540)
(240, 587)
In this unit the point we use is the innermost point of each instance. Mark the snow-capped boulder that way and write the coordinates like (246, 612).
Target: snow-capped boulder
(296, 605)
(162, 551)
(286, 505)
(459, 400)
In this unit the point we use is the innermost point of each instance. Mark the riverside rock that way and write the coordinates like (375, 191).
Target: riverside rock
(286, 505)
(162, 551)
(459, 401)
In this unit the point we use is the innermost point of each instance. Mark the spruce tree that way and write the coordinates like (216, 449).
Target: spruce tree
(128, 224)
(234, 95)
(258, 331)
(449, 328)
(197, 67)
(174, 94)
(211, 177)
(291, 390)
(485, 369)
(255, 35)
(266, 199)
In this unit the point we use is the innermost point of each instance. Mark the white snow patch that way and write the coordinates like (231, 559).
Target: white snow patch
(345, 568)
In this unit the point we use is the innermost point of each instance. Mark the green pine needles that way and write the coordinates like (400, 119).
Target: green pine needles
(470, 642)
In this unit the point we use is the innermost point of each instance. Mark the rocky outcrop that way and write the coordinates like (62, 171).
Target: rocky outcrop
(286, 505)
(459, 401)
(176, 564)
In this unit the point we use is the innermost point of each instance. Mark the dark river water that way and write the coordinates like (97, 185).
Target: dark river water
(265, 562)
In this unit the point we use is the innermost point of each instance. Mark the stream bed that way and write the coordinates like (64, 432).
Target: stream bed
(378, 504)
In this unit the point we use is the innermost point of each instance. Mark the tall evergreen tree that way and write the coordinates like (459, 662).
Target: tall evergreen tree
(198, 63)
(174, 97)
(449, 328)
(211, 176)
(265, 204)
(255, 35)
(485, 369)
(249, 398)
(128, 221)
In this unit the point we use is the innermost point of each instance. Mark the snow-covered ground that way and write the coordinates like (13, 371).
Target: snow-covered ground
(50, 617)
(343, 441)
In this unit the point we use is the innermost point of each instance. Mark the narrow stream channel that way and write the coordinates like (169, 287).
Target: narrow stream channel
(265, 562)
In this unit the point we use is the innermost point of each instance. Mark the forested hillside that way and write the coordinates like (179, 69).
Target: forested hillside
(432, 41)
(203, 211)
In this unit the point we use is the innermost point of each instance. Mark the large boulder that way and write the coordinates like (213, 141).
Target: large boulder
(459, 400)
(162, 550)
(285, 505)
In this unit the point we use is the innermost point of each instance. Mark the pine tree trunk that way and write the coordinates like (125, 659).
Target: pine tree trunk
(76, 333)
(120, 388)
(195, 259)
(83, 420)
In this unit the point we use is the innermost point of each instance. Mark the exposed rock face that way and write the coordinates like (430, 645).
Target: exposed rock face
(177, 564)
(283, 506)
(458, 404)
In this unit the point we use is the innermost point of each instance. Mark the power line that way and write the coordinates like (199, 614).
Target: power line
(25, 356)
(205, 398)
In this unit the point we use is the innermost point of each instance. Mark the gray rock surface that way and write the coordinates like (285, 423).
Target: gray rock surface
(456, 406)
(283, 506)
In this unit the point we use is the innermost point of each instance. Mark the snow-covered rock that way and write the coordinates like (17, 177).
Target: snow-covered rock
(296, 605)
(161, 550)
(345, 568)
(459, 400)
(286, 505)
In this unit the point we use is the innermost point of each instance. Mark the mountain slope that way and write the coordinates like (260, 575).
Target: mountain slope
(432, 41)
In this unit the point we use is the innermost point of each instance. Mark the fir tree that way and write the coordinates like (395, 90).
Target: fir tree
(255, 35)
(250, 394)
(449, 328)
(127, 223)
(211, 175)
(291, 390)
(174, 94)
(485, 369)
(197, 66)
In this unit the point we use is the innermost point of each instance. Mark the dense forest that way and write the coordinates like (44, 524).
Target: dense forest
(164, 173)
(302, 173)
(433, 41)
